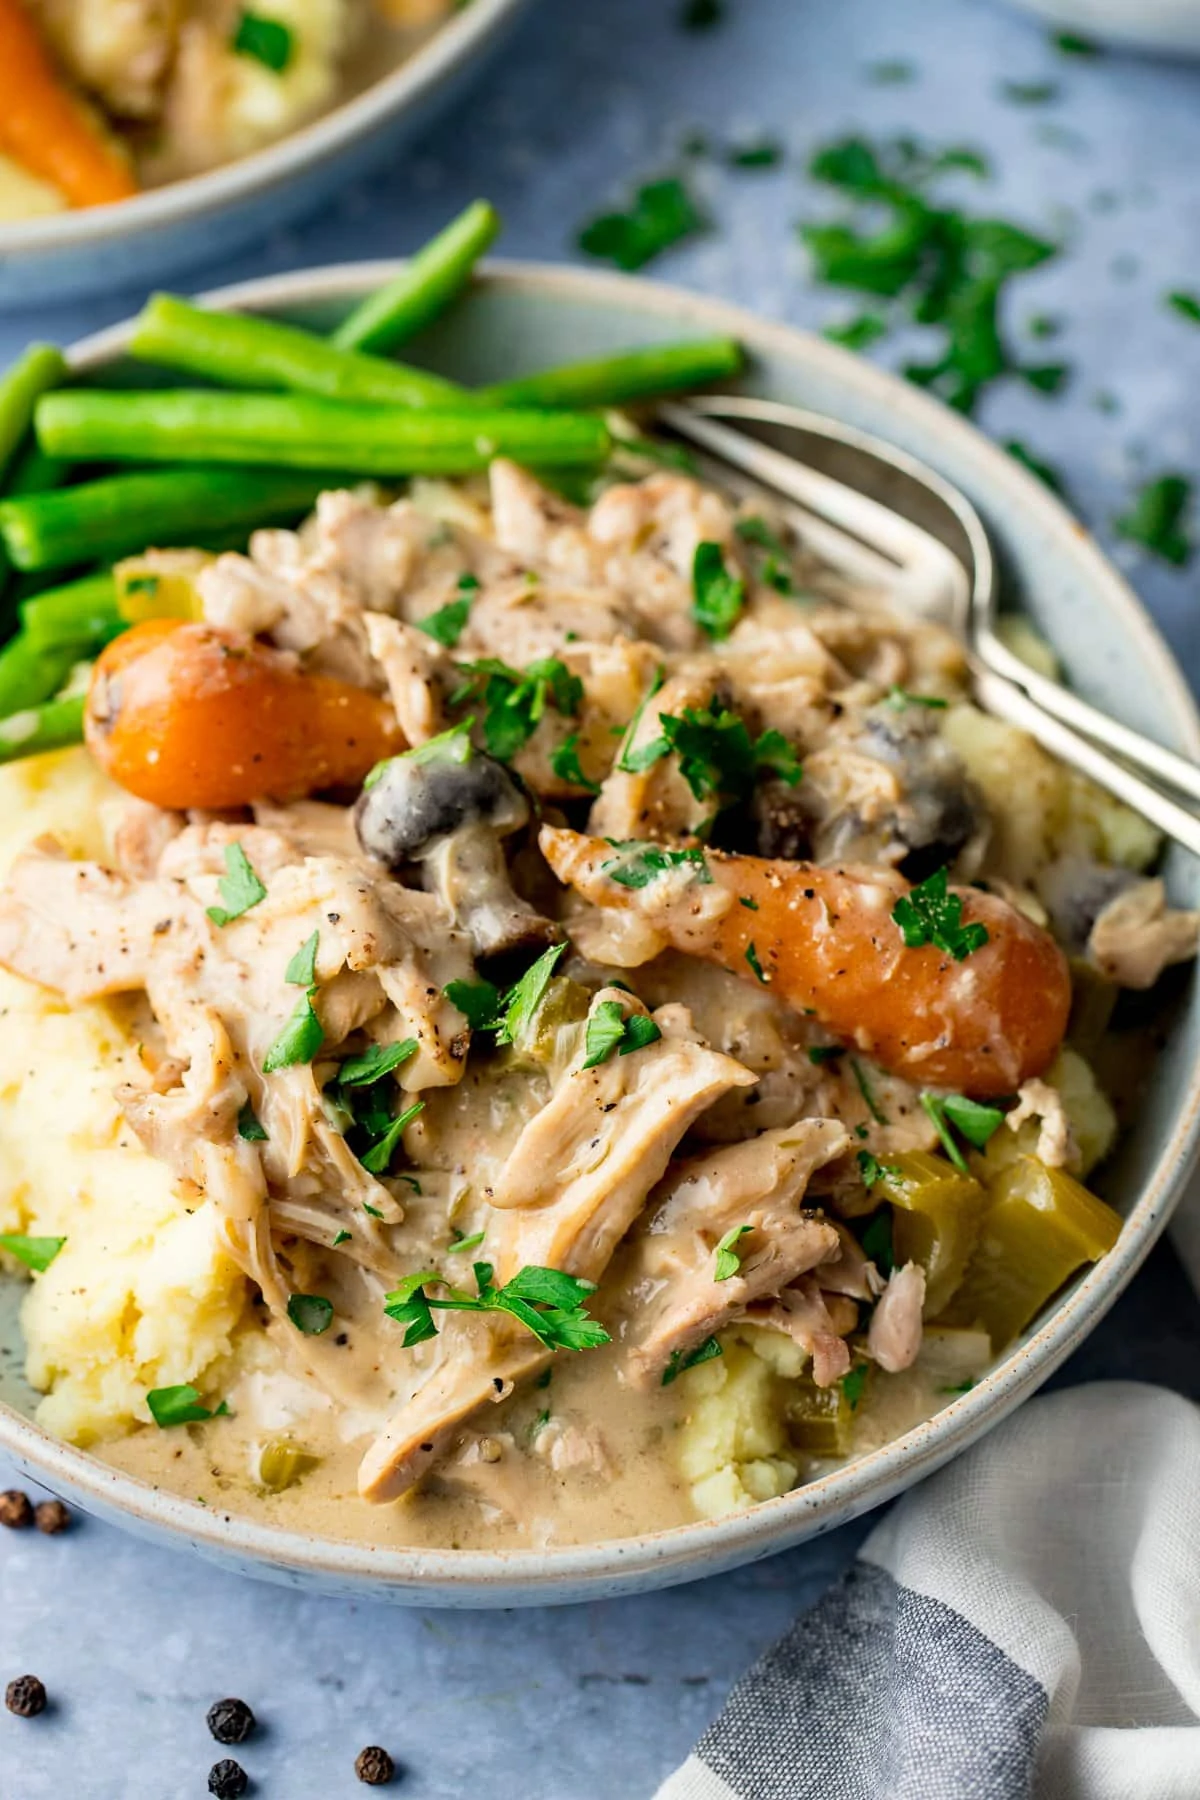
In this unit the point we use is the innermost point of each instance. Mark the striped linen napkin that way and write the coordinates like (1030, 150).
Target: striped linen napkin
(1023, 1626)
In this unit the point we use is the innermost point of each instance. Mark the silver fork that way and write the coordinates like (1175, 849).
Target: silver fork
(885, 547)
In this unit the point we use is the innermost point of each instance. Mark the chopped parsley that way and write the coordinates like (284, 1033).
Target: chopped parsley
(525, 996)
(759, 153)
(858, 333)
(608, 1029)
(181, 1405)
(726, 1261)
(774, 567)
(549, 1303)
(299, 1040)
(514, 700)
(891, 72)
(640, 863)
(268, 41)
(662, 213)
(452, 746)
(865, 1089)
(930, 914)
(853, 1384)
(941, 266)
(1071, 43)
(756, 966)
(448, 623)
(375, 1062)
(899, 698)
(825, 1053)
(876, 1241)
(748, 903)
(718, 595)
(564, 760)
(250, 1126)
(701, 15)
(478, 1001)
(37, 1253)
(1028, 459)
(678, 1361)
(977, 1123)
(872, 1170)
(239, 888)
(378, 1159)
(1156, 520)
(717, 756)
(1187, 305)
(960, 1387)
(302, 969)
(310, 1313)
(1030, 93)
(629, 761)
(467, 1243)
(340, 1237)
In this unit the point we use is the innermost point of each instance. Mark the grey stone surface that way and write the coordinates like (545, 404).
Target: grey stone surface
(601, 1701)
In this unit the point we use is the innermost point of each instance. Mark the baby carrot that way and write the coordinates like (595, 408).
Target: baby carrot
(42, 126)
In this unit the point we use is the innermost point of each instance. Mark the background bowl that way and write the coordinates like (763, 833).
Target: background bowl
(521, 318)
(207, 217)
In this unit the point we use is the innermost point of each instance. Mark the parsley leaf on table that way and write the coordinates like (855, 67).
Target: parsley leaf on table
(930, 914)
(662, 213)
(947, 267)
(1187, 305)
(1156, 520)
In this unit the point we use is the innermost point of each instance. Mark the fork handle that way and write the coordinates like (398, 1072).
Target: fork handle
(1178, 772)
(1010, 702)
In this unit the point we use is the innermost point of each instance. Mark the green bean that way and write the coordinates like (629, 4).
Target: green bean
(50, 726)
(425, 286)
(626, 375)
(120, 515)
(83, 611)
(238, 350)
(29, 675)
(301, 431)
(33, 472)
(41, 367)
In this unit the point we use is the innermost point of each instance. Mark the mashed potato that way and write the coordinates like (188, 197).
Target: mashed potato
(142, 1294)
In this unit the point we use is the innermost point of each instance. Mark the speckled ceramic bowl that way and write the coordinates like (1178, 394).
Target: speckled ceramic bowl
(521, 318)
(207, 217)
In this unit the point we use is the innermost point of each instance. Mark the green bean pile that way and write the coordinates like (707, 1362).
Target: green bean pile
(284, 414)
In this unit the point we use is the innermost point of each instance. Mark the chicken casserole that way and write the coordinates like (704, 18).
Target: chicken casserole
(573, 1020)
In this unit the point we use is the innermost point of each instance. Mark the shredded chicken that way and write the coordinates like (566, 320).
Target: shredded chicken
(894, 1334)
(1138, 935)
(672, 1298)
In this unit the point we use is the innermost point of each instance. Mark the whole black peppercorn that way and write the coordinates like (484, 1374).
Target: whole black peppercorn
(231, 1721)
(16, 1509)
(25, 1696)
(228, 1780)
(374, 1766)
(51, 1516)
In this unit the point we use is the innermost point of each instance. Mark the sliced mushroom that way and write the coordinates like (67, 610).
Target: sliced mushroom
(448, 807)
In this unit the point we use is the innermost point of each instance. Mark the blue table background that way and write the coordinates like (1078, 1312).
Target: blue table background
(591, 96)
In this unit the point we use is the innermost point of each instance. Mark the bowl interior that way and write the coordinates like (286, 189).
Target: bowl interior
(518, 319)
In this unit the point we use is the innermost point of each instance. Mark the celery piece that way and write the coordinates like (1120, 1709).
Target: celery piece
(1040, 1226)
(935, 1220)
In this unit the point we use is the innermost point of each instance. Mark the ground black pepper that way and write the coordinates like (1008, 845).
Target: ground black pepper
(25, 1696)
(374, 1766)
(231, 1721)
(51, 1516)
(16, 1509)
(228, 1780)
